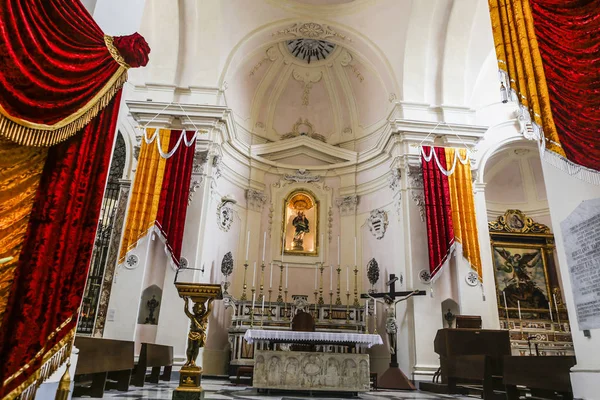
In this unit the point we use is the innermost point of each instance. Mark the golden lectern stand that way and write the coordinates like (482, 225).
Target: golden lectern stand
(202, 295)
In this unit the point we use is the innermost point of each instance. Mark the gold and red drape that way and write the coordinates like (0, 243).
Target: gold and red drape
(60, 82)
(159, 197)
(549, 50)
(449, 207)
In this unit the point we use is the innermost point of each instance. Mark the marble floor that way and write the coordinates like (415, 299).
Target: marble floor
(223, 389)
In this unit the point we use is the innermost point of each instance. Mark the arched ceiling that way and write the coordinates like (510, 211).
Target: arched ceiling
(311, 85)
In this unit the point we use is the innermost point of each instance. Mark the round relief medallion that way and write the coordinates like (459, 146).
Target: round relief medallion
(424, 276)
(131, 261)
(472, 278)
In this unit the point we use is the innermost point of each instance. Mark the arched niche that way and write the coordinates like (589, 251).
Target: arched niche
(150, 304)
(449, 305)
(300, 228)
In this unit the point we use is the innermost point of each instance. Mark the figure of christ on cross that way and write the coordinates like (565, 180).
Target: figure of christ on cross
(393, 378)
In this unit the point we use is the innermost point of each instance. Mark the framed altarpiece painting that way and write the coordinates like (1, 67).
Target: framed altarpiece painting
(300, 228)
(527, 287)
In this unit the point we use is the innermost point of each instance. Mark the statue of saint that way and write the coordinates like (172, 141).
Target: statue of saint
(198, 326)
(300, 223)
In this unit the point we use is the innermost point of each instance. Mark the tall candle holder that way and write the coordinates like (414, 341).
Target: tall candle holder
(374, 318)
(316, 304)
(338, 301)
(279, 297)
(347, 307)
(330, 303)
(270, 291)
(262, 282)
(243, 298)
(321, 301)
(253, 290)
(356, 303)
(367, 317)
(285, 317)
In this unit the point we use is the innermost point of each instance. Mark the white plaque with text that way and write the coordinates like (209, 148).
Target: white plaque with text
(581, 236)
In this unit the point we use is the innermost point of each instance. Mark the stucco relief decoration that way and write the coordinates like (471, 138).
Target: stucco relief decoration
(271, 214)
(424, 276)
(330, 223)
(415, 177)
(307, 77)
(529, 129)
(256, 199)
(395, 179)
(302, 176)
(131, 262)
(346, 60)
(472, 278)
(225, 214)
(419, 199)
(303, 127)
(194, 186)
(311, 30)
(378, 222)
(515, 221)
(373, 273)
(347, 204)
(270, 55)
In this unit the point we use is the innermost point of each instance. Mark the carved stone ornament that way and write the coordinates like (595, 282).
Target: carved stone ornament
(378, 222)
(227, 264)
(224, 215)
(303, 127)
(256, 199)
(330, 224)
(419, 199)
(529, 129)
(424, 276)
(183, 262)
(395, 179)
(347, 204)
(373, 271)
(515, 221)
(415, 177)
(132, 261)
(302, 176)
(301, 303)
(310, 30)
(194, 186)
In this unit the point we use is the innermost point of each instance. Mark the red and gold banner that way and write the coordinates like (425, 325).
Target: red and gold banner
(549, 50)
(159, 197)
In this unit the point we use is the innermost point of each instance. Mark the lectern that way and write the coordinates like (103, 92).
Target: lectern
(201, 295)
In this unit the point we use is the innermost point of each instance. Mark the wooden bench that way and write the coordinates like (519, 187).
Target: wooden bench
(98, 357)
(153, 356)
(545, 376)
(247, 370)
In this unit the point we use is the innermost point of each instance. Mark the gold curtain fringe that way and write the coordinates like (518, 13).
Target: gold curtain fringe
(587, 175)
(31, 134)
(53, 360)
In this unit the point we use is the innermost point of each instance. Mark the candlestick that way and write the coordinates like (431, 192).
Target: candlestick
(245, 286)
(269, 318)
(254, 276)
(356, 303)
(279, 297)
(287, 273)
(321, 302)
(347, 307)
(339, 255)
(262, 312)
(271, 279)
(264, 245)
(262, 282)
(338, 301)
(375, 319)
(330, 303)
(252, 309)
(506, 310)
(316, 303)
(367, 302)
(355, 250)
(247, 245)
(323, 247)
(331, 278)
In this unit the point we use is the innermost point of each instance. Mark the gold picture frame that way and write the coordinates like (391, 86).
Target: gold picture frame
(300, 210)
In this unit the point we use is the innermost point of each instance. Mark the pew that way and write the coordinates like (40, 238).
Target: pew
(153, 356)
(100, 357)
(544, 376)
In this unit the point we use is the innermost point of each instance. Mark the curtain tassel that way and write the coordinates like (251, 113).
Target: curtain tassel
(64, 385)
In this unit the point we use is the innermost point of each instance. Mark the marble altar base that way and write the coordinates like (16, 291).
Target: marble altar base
(309, 371)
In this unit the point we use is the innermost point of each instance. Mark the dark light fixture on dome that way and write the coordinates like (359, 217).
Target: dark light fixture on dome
(310, 49)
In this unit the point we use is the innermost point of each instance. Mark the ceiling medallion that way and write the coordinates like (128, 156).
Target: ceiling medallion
(308, 50)
(303, 128)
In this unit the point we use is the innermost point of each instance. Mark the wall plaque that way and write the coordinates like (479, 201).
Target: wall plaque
(581, 236)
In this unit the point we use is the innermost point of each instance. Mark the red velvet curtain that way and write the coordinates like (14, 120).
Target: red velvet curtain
(172, 207)
(568, 34)
(438, 209)
(50, 48)
(50, 278)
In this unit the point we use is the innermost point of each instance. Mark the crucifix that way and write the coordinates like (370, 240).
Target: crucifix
(393, 378)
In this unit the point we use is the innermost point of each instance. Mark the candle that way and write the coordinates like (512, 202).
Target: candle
(322, 244)
(505, 305)
(247, 245)
(375, 307)
(556, 305)
(254, 275)
(339, 250)
(282, 248)
(331, 278)
(264, 245)
(287, 273)
(519, 307)
(253, 301)
(355, 258)
(271, 281)
(316, 269)
(263, 307)
(347, 279)
(550, 309)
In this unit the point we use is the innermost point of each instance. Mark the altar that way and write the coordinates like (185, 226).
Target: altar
(336, 365)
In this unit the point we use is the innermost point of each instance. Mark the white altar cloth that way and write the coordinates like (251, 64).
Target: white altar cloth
(361, 339)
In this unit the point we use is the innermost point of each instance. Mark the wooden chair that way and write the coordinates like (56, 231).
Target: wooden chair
(153, 356)
(247, 370)
(99, 357)
(303, 322)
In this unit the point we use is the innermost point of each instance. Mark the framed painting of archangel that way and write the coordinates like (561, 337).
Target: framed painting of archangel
(521, 276)
(301, 224)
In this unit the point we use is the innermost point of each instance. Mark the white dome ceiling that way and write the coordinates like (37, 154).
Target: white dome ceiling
(312, 84)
